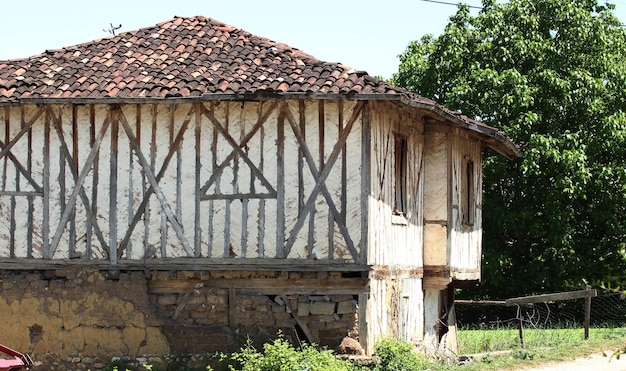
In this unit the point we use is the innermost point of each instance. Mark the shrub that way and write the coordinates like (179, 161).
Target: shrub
(280, 355)
(395, 355)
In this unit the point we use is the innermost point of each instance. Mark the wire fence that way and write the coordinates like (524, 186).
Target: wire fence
(608, 309)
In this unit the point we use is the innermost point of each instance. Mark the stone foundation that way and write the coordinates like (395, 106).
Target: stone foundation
(77, 315)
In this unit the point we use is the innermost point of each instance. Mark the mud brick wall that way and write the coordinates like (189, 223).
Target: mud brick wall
(69, 312)
(83, 313)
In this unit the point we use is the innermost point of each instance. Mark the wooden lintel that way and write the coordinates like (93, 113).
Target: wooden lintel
(442, 271)
(382, 272)
(436, 283)
(310, 286)
(186, 264)
(552, 297)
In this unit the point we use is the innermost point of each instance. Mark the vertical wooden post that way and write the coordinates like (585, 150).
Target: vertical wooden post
(280, 180)
(521, 326)
(363, 333)
(197, 232)
(113, 188)
(587, 314)
(47, 254)
(365, 180)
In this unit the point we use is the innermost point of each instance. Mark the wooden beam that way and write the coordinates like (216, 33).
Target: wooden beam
(552, 297)
(186, 264)
(304, 286)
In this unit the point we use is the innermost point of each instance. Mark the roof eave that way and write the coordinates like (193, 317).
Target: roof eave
(496, 140)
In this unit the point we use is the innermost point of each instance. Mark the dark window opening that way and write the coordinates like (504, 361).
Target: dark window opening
(401, 150)
(468, 202)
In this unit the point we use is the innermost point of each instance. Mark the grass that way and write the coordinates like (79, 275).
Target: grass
(541, 345)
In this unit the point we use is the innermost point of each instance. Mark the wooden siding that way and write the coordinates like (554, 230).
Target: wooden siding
(465, 238)
(395, 240)
(258, 180)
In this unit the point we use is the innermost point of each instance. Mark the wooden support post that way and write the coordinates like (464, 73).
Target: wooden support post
(521, 331)
(587, 314)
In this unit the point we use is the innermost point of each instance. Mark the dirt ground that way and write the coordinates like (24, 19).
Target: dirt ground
(595, 362)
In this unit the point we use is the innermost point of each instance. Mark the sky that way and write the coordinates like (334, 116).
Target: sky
(366, 35)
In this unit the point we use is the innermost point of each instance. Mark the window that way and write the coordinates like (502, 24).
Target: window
(468, 193)
(401, 149)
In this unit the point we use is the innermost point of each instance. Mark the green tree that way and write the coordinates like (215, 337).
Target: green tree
(552, 74)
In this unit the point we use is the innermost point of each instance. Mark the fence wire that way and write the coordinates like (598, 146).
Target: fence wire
(607, 309)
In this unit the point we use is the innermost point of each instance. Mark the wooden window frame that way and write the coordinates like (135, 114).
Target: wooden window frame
(400, 176)
(468, 194)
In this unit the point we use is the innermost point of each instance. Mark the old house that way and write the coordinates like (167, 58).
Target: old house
(182, 186)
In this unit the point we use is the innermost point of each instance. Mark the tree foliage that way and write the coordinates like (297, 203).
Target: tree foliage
(552, 74)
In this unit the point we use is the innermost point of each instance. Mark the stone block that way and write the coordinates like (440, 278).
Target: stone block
(339, 298)
(345, 307)
(322, 308)
(166, 300)
(303, 309)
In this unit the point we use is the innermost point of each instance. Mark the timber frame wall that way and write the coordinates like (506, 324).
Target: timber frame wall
(269, 183)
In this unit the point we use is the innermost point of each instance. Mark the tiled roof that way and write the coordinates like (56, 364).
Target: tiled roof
(182, 57)
(197, 58)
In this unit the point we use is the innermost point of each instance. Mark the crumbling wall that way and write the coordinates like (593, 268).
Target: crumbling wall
(89, 313)
(205, 318)
(70, 312)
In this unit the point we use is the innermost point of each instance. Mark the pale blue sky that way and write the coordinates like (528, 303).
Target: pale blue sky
(366, 35)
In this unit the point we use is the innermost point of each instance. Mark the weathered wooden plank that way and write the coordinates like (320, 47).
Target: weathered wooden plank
(29, 169)
(146, 192)
(302, 121)
(362, 324)
(155, 186)
(544, 298)
(187, 264)
(214, 168)
(7, 138)
(181, 305)
(280, 179)
(45, 229)
(113, 186)
(344, 166)
(94, 185)
(311, 286)
(228, 249)
(244, 203)
(198, 149)
(261, 217)
(21, 193)
(366, 165)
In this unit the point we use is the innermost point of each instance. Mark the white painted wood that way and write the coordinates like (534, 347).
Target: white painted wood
(465, 239)
(431, 319)
(395, 244)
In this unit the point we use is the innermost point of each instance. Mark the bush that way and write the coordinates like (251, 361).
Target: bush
(395, 355)
(280, 355)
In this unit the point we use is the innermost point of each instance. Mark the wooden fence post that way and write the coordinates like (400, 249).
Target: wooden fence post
(587, 313)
